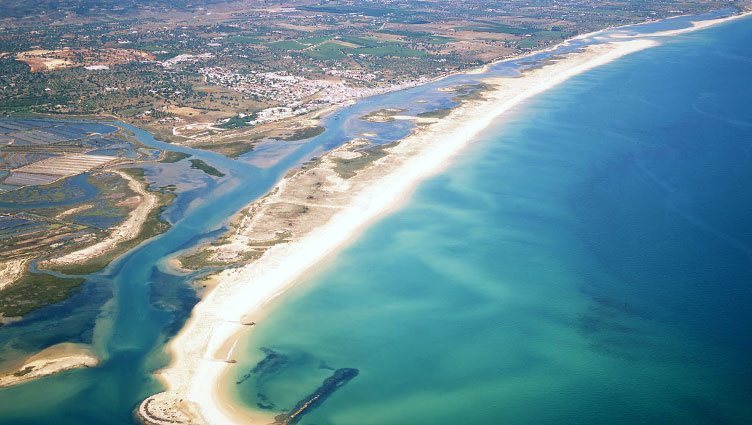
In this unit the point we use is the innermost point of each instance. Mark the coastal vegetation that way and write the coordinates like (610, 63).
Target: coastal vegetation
(171, 157)
(302, 133)
(382, 115)
(49, 220)
(35, 290)
(199, 164)
(468, 92)
(78, 223)
(152, 225)
(347, 166)
(436, 113)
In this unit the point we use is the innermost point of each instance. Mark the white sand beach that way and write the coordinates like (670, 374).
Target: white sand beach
(51, 360)
(201, 352)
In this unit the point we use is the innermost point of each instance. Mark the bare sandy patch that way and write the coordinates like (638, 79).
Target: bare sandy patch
(58, 358)
(11, 271)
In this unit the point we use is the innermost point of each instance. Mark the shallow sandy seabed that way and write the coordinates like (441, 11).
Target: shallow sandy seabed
(202, 351)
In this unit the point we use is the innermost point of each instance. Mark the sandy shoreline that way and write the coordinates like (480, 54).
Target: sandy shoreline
(124, 232)
(199, 361)
(51, 360)
(202, 350)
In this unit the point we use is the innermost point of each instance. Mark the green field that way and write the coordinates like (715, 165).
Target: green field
(243, 39)
(286, 45)
(327, 51)
(327, 48)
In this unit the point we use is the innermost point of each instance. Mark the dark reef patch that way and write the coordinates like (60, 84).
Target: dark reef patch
(317, 397)
(269, 365)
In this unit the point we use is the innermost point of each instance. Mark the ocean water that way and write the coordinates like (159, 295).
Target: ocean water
(587, 261)
(424, 309)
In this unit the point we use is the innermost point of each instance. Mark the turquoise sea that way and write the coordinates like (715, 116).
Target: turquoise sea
(587, 261)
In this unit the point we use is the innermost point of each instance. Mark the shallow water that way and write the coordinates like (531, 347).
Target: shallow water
(129, 310)
(587, 261)
(74, 190)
